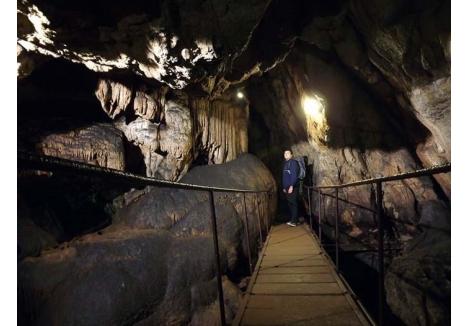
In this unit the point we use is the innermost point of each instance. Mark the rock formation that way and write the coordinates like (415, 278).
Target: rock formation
(135, 271)
(100, 144)
(181, 91)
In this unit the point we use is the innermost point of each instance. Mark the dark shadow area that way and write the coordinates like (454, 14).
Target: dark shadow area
(69, 205)
(57, 97)
(134, 159)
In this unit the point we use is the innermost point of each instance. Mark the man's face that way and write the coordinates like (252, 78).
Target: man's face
(287, 155)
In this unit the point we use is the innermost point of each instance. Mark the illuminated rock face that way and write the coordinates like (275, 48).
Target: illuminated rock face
(100, 144)
(160, 98)
(361, 141)
(171, 133)
(368, 136)
(171, 43)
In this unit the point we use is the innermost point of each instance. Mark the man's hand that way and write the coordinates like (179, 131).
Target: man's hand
(290, 190)
(284, 190)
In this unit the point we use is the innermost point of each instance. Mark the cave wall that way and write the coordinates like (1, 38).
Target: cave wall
(150, 88)
(387, 111)
(360, 141)
(146, 129)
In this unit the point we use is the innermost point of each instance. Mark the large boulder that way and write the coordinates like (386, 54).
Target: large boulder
(155, 264)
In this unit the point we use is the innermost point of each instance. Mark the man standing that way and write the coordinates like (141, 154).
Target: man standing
(290, 184)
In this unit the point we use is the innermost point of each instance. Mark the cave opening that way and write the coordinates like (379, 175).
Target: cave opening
(212, 94)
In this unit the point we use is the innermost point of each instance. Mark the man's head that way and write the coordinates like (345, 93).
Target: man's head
(288, 154)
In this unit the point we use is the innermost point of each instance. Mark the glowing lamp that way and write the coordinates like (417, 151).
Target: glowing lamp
(240, 95)
(313, 107)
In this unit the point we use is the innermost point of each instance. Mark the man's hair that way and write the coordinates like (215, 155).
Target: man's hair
(288, 150)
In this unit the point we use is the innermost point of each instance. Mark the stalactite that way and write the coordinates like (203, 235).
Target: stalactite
(100, 144)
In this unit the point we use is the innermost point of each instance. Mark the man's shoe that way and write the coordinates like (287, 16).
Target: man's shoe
(291, 224)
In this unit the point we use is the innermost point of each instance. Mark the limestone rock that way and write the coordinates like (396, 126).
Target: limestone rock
(360, 141)
(171, 133)
(209, 315)
(432, 154)
(418, 282)
(135, 271)
(150, 106)
(167, 148)
(407, 41)
(150, 41)
(432, 104)
(100, 144)
(122, 277)
(221, 128)
(114, 97)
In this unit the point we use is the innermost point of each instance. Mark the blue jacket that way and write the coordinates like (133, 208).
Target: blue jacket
(290, 173)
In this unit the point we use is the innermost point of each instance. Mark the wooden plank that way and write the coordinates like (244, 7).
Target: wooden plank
(292, 251)
(295, 278)
(295, 283)
(295, 270)
(296, 288)
(310, 261)
(299, 310)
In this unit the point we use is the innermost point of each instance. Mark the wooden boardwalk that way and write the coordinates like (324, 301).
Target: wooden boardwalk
(294, 283)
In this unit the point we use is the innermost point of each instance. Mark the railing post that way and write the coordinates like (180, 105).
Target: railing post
(310, 208)
(337, 233)
(267, 209)
(258, 219)
(246, 226)
(381, 252)
(320, 216)
(218, 260)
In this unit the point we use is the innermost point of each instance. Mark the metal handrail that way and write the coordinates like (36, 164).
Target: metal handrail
(48, 163)
(436, 169)
(444, 168)
(28, 160)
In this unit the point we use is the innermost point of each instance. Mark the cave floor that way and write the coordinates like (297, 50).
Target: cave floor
(295, 284)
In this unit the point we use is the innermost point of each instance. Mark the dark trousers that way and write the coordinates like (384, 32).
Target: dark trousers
(293, 205)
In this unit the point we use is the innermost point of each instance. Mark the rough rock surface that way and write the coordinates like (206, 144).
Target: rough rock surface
(221, 128)
(420, 279)
(135, 271)
(432, 104)
(173, 129)
(361, 139)
(114, 97)
(381, 69)
(359, 142)
(157, 41)
(100, 144)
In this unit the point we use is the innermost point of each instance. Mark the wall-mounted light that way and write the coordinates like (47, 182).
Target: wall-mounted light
(313, 107)
(240, 95)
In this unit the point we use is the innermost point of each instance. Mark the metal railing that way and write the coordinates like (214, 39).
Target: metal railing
(27, 160)
(379, 210)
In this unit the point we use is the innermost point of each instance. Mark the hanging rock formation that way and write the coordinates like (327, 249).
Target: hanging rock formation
(172, 129)
(100, 144)
(151, 88)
